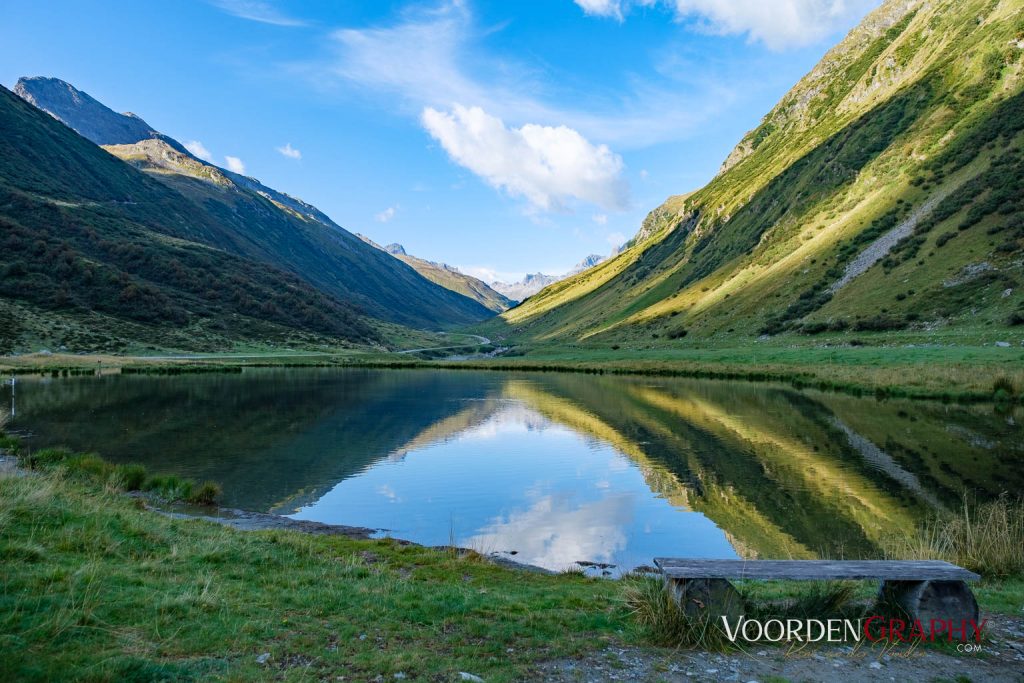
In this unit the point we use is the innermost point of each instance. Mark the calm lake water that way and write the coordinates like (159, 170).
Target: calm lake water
(553, 468)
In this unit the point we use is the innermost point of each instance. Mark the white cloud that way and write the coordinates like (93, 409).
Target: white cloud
(198, 150)
(644, 175)
(600, 218)
(546, 165)
(385, 215)
(779, 24)
(601, 8)
(489, 275)
(559, 530)
(615, 240)
(434, 58)
(235, 165)
(289, 151)
(257, 10)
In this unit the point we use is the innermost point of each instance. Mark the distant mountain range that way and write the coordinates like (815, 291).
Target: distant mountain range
(448, 277)
(883, 195)
(534, 282)
(140, 242)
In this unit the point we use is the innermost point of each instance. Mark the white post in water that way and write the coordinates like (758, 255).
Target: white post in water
(12, 397)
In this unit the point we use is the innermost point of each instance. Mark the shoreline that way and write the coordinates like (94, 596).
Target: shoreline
(976, 375)
(246, 520)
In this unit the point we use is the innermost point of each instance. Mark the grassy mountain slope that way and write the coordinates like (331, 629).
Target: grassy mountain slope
(88, 238)
(449, 278)
(907, 133)
(466, 285)
(258, 222)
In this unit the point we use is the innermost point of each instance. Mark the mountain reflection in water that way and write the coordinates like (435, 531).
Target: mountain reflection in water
(557, 468)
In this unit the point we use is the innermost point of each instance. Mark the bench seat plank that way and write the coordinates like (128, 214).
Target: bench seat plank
(887, 570)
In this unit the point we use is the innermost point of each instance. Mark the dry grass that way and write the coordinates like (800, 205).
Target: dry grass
(663, 621)
(986, 538)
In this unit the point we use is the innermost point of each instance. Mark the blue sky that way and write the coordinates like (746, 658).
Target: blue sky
(500, 137)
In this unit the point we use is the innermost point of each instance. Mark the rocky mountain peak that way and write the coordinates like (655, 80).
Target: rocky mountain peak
(395, 249)
(87, 116)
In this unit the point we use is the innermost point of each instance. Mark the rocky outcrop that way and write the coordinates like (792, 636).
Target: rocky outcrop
(87, 116)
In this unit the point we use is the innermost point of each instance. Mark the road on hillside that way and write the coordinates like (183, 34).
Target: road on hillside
(480, 341)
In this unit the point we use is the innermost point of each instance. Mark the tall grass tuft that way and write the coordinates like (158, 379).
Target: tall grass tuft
(663, 621)
(169, 487)
(1003, 388)
(130, 477)
(986, 538)
(206, 493)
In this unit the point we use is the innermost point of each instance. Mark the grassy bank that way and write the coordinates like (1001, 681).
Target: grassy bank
(950, 373)
(97, 587)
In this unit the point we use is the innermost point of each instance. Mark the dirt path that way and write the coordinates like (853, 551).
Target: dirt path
(480, 342)
(1002, 659)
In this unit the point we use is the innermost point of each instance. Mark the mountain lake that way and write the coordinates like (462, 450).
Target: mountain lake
(544, 468)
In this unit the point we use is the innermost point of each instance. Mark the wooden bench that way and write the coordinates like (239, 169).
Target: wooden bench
(926, 589)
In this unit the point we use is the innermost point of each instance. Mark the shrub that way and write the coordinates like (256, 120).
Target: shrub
(879, 323)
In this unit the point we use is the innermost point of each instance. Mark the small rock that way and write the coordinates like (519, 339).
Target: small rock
(1007, 292)
(710, 671)
(470, 677)
(1003, 344)
(875, 665)
(362, 636)
(762, 653)
(400, 676)
(263, 658)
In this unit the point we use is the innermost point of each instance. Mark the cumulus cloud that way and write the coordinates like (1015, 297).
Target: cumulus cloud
(434, 58)
(198, 150)
(289, 151)
(546, 165)
(235, 165)
(778, 24)
(257, 10)
(385, 215)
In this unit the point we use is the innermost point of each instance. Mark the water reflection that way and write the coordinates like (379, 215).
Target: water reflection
(557, 468)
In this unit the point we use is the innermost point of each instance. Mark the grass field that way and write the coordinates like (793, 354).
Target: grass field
(98, 587)
(952, 373)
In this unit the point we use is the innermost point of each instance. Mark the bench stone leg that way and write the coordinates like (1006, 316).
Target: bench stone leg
(702, 598)
(927, 600)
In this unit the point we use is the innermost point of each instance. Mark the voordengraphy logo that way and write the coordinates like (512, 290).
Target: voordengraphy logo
(872, 629)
